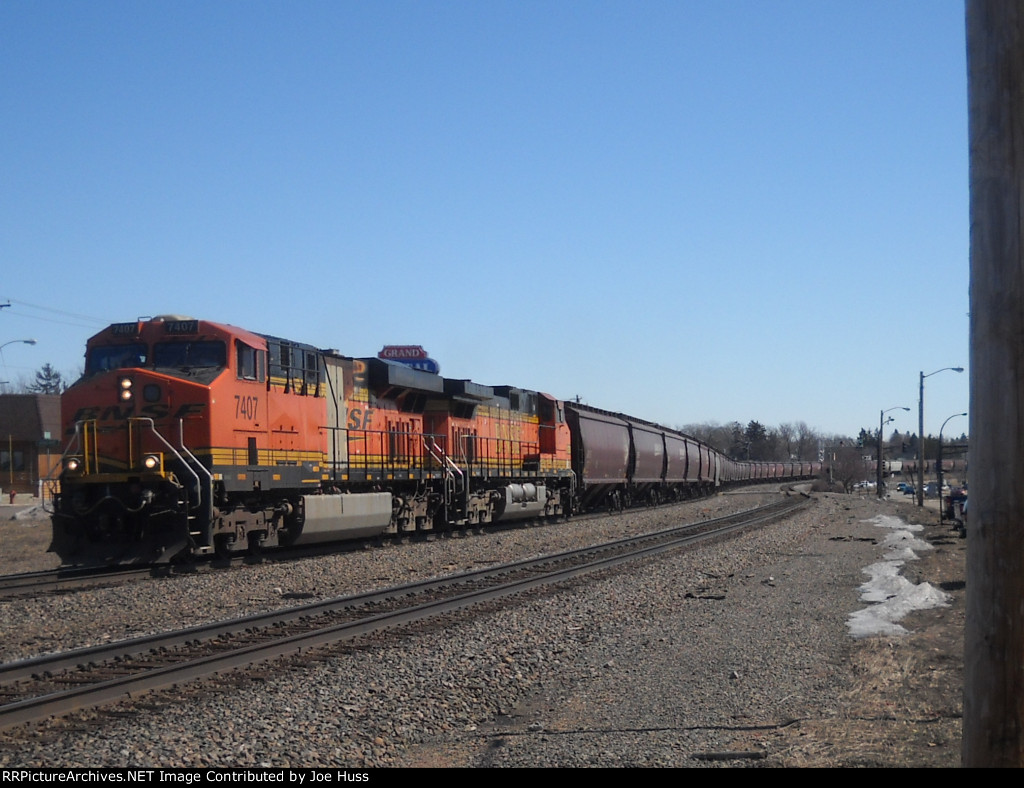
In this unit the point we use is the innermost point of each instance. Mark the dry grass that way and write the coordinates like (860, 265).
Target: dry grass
(903, 706)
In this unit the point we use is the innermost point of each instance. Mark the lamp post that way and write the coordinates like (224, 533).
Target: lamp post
(920, 432)
(938, 463)
(881, 424)
(15, 342)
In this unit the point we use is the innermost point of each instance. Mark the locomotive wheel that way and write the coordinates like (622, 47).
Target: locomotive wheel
(255, 543)
(223, 546)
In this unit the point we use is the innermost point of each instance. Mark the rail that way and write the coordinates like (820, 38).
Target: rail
(36, 688)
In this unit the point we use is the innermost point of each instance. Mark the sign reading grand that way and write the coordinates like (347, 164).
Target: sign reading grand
(402, 352)
(411, 355)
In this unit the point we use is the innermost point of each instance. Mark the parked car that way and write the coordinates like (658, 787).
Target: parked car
(954, 503)
(903, 487)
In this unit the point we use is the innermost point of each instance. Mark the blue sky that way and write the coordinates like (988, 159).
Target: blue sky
(686, 211)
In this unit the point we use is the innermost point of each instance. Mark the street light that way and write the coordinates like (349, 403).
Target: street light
(878, 481)
(939, 461)
(15, 342)
(920, 432)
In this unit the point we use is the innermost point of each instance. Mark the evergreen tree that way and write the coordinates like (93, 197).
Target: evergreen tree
(740, 448)
(48, 381)
(757, 439)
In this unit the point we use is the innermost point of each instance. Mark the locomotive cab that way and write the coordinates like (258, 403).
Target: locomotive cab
(129, 485)
(183, 436)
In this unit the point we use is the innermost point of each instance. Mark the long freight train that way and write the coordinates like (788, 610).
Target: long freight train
(186, 437)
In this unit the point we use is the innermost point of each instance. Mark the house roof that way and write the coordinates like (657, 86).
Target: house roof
(29, 417)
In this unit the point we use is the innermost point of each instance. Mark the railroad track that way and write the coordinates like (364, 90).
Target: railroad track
(59, 684)
(69, 579)
(32, 583)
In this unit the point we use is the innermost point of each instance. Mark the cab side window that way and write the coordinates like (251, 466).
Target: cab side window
(251, 363)
(294, 368)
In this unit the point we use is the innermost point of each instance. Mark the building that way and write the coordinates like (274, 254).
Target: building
(29, 440)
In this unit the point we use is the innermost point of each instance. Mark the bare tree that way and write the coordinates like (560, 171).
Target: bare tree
(791, 441)
(807, 441)
(849, 466)
(786, 442)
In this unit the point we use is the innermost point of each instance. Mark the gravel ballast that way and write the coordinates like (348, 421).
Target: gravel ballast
(737, 654)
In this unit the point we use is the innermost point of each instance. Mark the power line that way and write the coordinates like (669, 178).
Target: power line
(81, 321)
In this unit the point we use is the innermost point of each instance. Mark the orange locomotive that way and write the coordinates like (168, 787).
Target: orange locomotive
(186, 437)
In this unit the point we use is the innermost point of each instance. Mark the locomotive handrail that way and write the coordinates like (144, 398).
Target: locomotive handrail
(173, 451)
(209, 480)
(191, 456)
(507, 455)
(58, 467)
(451, 468)
(85, 444)
(52, 477)
(442, 457)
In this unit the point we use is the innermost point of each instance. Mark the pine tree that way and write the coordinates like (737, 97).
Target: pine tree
(48, 381)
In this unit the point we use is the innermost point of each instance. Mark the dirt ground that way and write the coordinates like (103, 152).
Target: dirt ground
(903, 708)
(24, 537)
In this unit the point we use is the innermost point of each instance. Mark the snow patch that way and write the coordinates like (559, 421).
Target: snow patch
(894, 596)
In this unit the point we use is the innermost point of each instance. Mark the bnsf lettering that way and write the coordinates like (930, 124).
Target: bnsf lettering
(359, 419)
(115, 413)
(86, 414)
(245, 407)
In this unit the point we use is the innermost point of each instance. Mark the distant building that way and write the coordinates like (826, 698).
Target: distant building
(29, 440)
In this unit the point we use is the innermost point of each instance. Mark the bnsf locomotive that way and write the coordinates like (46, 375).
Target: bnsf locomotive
(186, 437)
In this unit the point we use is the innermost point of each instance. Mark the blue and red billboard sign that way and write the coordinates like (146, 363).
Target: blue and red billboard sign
(411, 355)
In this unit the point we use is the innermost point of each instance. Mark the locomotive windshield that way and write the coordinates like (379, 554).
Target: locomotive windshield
(189, 355)
(108, 357)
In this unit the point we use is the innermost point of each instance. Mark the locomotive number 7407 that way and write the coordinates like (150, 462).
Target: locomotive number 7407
(245, 407)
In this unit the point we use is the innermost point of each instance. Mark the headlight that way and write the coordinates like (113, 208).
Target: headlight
(126, 389)
(72, 464)
(151, 462)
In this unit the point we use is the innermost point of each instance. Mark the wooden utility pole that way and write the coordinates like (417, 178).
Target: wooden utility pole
(994, 635)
